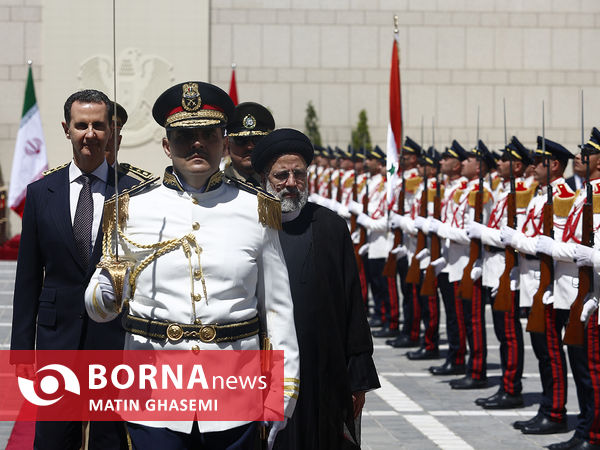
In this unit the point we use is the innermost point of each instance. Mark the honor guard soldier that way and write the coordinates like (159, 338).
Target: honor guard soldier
(507, 325)
(452, 263)
(583, 359)
(213, 247)
(588, 256)
(251, 122)
(475, 168)
(411, 312)
(547, 346)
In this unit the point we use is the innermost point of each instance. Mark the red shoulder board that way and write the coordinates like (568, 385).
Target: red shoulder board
(597, 189)
(521, 186)
(463, 185)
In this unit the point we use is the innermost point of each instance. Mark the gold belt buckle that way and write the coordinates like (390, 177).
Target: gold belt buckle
(174, 332)
(208, 333)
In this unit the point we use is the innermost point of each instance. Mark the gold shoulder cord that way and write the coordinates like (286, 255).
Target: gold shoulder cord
(186, 242)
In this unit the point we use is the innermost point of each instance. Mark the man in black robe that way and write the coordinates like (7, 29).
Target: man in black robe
(336, 364)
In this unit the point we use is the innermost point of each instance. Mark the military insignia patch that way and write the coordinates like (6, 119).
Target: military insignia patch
(249, 122)
(190, 97)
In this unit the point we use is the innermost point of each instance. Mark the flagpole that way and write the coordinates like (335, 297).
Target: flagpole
(115, 133)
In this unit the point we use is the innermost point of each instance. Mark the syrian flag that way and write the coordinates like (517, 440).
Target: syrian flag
(394, 134)
(30, 160)
(233, 86)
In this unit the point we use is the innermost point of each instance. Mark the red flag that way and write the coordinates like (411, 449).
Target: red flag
(233, 86)
(394, 135)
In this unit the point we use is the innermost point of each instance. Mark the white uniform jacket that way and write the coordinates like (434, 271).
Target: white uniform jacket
(456, 255)
(235, 271)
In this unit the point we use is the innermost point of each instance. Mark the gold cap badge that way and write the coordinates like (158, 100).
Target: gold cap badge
(190, 98)
(249, 122)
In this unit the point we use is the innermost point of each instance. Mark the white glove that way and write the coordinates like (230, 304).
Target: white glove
(420, 222)
(583, 255)
(506, 235)
(474, 230)
(548, 298)
(439, 265)
(515, 278)
(355, 207)
(355, 236)
(276, 427)
(106, 288)
(334, 205)
(313, 198)
(589, 307)
(395, 221)
(434, 225)
(476, 272)
(544, 245)
(363, 250)
(422, 254)
(401, 251)
(363, 220)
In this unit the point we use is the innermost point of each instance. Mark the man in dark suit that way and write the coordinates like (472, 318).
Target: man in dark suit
(60, 245)
(334, 339)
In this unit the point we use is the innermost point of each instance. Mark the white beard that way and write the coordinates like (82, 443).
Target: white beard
(288, 204)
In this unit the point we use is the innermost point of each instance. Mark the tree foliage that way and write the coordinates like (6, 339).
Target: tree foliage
(311, 125)
(360, 135)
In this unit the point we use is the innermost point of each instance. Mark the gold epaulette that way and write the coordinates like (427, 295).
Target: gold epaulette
(348, 183)
(457, 195)
(56, 169)
(596, 203)
(269, 206)
(495, 183)
(524, 197)
(562, 205)
(431, 193)
(487, 196)
(412, 184)
(135, 172)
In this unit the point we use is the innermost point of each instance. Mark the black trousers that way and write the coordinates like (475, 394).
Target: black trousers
(68, 435)
(430, 316)
(556, 321)
(474, 311)
(507, 326)
(411, 310)
(385, 294)
(455, 330)
(143, 437)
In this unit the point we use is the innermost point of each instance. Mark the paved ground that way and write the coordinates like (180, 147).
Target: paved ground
(413, 409)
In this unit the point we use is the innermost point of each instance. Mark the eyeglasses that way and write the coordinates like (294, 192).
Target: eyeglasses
(242, 141)
(283, 175)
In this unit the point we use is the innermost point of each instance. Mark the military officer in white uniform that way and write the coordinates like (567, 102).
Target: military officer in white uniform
(205, 253)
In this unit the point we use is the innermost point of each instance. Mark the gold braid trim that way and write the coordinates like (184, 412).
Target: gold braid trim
(269, 211)
(562, 206)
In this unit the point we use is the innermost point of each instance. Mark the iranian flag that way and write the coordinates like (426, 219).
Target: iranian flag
(394, 134)
(233, 86)
(30, 160)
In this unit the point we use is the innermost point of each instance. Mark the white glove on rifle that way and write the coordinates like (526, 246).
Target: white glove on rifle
(476, 271)
(401, 251)
(589, 307)
(544, 245)
(355, 236)
(422, 254)
(583, 255)
(334, 205)
(420, 222)
(315, 198)
(363, 250)
(434, 225)
(515, 278)
(355, 207)
(548, 298)
(395, 221)
(474, 230)
(438, 265)
(506, 235)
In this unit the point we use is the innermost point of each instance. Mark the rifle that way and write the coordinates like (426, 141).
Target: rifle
(353, 223)
(429, 285)
(363, 232)
(575, 333)
(536, 322)
(414, 271)
(503, 301)
(466, 284)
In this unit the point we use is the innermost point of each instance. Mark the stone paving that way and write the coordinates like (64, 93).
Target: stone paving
(413, 409)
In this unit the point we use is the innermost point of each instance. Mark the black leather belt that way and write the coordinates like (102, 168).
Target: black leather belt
(490, 249)
(174, 332)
